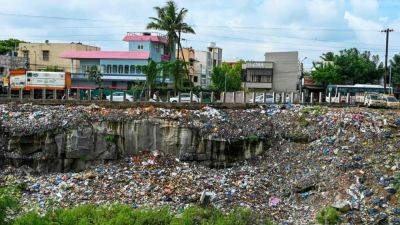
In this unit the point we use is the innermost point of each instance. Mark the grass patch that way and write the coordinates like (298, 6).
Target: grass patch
(328, 216)
(125, 215)
(9, 198)
(253, 138)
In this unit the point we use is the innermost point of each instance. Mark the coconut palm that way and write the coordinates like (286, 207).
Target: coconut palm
(151, 70)
(171, 19)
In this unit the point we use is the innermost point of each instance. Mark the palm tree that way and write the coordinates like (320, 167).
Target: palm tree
(95, 75)
(174, 68)
(171, 19)
(151, 70)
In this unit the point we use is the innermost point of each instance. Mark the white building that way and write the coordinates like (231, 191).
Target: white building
(205, 62)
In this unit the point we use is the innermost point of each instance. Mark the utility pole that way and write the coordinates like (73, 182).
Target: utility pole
(387, 31)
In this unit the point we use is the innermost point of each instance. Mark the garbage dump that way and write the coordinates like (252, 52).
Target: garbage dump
(346, 158)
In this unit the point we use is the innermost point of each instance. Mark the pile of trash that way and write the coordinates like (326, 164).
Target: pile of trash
(229, 124)
(347, 158)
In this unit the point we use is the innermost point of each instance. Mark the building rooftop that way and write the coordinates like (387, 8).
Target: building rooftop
(105, 55)
(153, 37)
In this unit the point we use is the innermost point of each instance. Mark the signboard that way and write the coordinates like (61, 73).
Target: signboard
(17, 81)
(48, 80)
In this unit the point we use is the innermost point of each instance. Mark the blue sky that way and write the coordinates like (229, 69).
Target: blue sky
(245, 29)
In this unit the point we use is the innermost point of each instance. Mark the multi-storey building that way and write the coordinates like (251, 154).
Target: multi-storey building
(188, 54)
(279, 72)
(41, 55)
(205, 62)
(119, 69)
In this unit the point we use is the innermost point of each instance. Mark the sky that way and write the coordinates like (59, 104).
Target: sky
(244, 29)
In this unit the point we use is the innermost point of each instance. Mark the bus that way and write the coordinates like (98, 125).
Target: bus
(357, 92)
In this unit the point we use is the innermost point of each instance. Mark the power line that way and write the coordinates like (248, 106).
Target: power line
(53, 17)
(195, 25)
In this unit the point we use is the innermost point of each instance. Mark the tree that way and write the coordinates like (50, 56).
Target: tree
(227, 78)
(151, 70)
(7, 46)
(395, 65)
(171, 19)
(348, 67)
(95, 76)
(174, 69)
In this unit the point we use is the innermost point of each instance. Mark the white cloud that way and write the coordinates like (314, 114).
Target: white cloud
(363, 28)
(365, 8)
(298, 23)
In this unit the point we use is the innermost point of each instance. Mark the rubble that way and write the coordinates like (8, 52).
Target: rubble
(347, 161)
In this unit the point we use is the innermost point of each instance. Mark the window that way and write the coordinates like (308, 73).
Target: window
(26, 54)
(115, 69)
(103, 69)
(120, 69)
(195, 79)
(108, 68)
(132, 70)
(138, 69)
(126, 70)
(140, 47)
(46, 55)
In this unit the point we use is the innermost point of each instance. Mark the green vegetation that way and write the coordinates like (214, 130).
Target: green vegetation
(7, 46)
(124, 215)
(8, 202)
(95, 75)
(350, 66)
(227, 78)
(151, 70)
(328, 216)
(111, 138)
(395, 64)
(171, 19)
(314, 110)
(253, 138)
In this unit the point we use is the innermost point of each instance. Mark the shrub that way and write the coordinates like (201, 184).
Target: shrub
(328, 216)
(110, 138)
(8, 202)
(253, 138)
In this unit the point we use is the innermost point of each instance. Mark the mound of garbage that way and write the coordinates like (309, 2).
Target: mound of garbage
(346, 158)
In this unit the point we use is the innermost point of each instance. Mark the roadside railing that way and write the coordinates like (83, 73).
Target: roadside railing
(204, 97)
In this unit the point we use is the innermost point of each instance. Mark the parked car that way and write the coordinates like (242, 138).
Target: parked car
(260, 99)
(392, 102)
(374, 100)
(185, 97)
(119, 97)
(270, 99)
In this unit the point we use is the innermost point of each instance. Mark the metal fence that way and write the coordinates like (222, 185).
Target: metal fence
(205, 97)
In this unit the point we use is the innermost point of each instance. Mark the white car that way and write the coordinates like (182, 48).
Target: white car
(260, 99)
(372, 100)
(119, 97)
(269, 99)
(185, 97)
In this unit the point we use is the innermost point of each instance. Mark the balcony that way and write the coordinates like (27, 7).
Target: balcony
(113, 76)
(258, 85)
(258, 65)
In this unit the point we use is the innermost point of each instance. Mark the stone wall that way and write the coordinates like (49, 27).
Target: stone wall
(78, 148)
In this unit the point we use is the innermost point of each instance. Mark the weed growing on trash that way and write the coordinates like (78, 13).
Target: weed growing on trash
(8, 202)
(328, 216)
